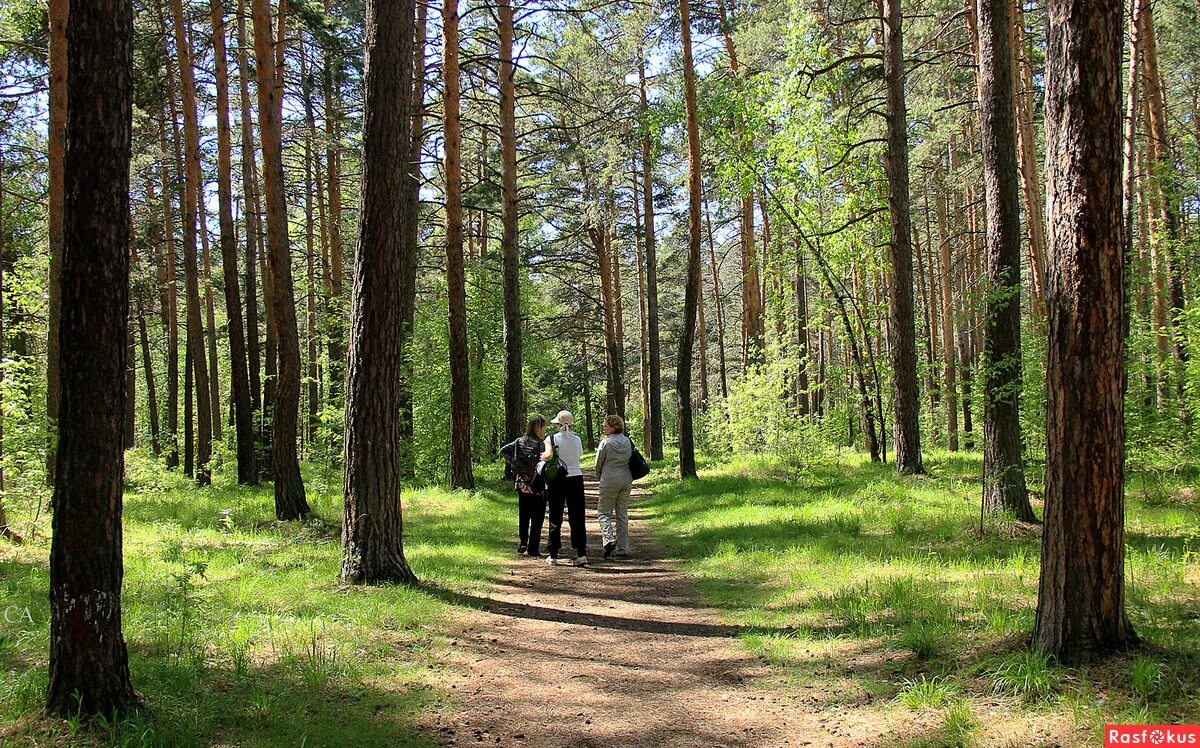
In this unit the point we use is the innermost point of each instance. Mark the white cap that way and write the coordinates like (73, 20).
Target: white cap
(564, 418)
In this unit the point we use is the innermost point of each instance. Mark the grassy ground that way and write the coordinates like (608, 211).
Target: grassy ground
(876, 598)
(238, 631)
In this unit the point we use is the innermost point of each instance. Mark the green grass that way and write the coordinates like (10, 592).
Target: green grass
(238, 630)
(849, 579)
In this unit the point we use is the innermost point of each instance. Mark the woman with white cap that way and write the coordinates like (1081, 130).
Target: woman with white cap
(566, 488)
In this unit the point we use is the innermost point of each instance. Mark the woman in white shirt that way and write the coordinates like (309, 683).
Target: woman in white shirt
(566, 488)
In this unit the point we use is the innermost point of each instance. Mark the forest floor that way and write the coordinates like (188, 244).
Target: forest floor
(822, 602)
(615, 654)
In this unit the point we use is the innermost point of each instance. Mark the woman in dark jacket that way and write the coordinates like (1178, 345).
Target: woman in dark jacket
(523, 454)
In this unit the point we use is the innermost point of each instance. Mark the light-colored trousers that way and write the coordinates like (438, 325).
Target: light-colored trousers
(613, 513)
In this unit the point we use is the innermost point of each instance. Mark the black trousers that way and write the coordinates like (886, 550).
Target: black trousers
(531, 512)
(568, 491)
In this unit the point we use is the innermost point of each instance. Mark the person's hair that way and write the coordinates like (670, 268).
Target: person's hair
(616, 423)
(535, 423)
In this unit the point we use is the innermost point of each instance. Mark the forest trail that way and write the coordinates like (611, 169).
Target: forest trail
(615, 654)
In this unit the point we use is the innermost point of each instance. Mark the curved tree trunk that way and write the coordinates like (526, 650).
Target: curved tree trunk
(290, 501)
(89, 664)
(1081, 595)
(372, 527)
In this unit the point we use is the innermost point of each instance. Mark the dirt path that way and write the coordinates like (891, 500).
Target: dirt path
(615, 654)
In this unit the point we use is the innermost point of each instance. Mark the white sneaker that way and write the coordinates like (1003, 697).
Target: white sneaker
(551, 561)
(581, 561)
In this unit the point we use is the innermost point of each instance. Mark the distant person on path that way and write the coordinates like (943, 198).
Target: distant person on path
(612, 468)
(566, 488)
(523, 454)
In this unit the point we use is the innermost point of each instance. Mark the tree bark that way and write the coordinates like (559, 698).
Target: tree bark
(643, 351)
(290, 500)
(461, 475)
(333, 167)
(170, 308)
(253, 215)
(89, 664)
(243, 413)
(1081, 594)
(210, 312)
(311, 174)
(652, 331)
(949, 374)
(1003, 464)
(55, 145)
(903, 325)
(372, 526)
(191, 271)
(408, 278)
(691, 293)
(151, 391)
(510, 259)
(1035, 219)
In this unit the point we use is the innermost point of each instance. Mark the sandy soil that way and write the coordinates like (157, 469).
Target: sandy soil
(615, 654)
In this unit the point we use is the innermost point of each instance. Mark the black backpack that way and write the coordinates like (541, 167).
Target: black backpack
(638, 467)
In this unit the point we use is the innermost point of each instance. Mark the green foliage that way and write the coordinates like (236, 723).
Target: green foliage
(237, 627)
(927, 693)
(933, 616)
(1028, 675)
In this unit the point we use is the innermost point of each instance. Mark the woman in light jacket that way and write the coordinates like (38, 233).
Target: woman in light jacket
(612, 468)
(523, 454)
(566, 488)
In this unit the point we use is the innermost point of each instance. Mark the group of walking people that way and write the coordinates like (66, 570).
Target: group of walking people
(547, 475)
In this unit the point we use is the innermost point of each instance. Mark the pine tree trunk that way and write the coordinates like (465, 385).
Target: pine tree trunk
(714, 266)
(1003, 464)
(691, 292)
(89, 664)
(903, 325)
(408, 278)
(372, 526)
(151, 391)
(802, 346)
(243, 413)
(1035, 220)
(191, 271)
(336, 310)
(643, 349)
(253, 217)
(55, 145)
(290, 501)
(510, 258)
(210, 324)
(949, 373)
(311, 169)
(1081, 595)
(652, 331)
(461, 475)
(131, 379)
(1164, 242)
(170, 308)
